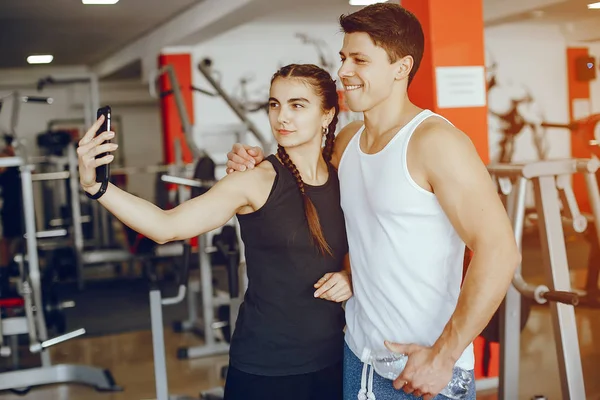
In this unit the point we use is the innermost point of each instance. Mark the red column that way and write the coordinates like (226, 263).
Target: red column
(578, 90)
(172, 127)
(453, 38)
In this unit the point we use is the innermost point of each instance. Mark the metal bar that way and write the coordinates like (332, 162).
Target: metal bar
(192, 299)
(50, 234)
(14, 350)
(76, 213)
(32, 257)
(501, 170)
(11, 161)
(556, 125)
(94, 96)
(14, 326)
(106, 256)
(158, 346)
(106, 237)
(37, 99)
(563, 183)
(535, 169)
(152, 169)
(37, 347)
(61, 222)
(510, 310)
(206, 291)
(205, 70)
(181, 191)
(182, 111)
(208, 350)
(174, 300)
(51, 176)
(14, 120)
(593, 268)
(557, 275)
(588, 165)
(97, 378)
(517, 215)
(594, 196)
(96, 224)
(187, 182)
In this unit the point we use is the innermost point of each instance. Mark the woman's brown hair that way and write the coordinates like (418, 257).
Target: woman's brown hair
(324, 86)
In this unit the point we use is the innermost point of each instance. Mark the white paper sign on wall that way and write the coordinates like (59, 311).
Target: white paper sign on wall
(460, 87)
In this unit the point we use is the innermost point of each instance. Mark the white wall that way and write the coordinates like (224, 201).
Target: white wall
(142, 145)
(256, 51)
(530, 57)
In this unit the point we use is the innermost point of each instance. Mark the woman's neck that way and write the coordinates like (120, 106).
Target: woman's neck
(310, 164)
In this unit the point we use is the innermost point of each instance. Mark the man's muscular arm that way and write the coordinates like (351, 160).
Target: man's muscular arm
(451, 166)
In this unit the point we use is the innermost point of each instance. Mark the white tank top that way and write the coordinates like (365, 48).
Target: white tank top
(405, 254)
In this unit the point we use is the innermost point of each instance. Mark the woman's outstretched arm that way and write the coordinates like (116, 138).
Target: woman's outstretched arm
(192, 218)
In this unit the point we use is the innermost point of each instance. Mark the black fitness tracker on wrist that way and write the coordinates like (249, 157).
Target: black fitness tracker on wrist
(100, 192)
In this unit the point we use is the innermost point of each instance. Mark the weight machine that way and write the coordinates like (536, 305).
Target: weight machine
(206, 326)
(550, 180)
(34, 323)
(101, 249)
(205, 68)
(234, 268)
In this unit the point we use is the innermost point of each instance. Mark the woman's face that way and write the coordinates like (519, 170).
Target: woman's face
(295, 113)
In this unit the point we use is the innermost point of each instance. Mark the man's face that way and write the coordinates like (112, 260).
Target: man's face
(366, 72)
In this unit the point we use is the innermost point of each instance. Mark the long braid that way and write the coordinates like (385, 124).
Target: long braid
(285, 159)
(325, 87)
(329, 141)
(309, 208)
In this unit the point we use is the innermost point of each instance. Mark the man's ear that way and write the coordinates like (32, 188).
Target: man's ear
(404, 66)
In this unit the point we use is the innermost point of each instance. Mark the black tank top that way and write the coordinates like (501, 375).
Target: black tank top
(282, 329)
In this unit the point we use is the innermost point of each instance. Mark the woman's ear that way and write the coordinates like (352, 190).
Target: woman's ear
(329, 117)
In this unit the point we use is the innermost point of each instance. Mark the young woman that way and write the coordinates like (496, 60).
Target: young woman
(288, 340)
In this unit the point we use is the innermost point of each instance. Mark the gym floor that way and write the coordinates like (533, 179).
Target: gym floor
(129, 355)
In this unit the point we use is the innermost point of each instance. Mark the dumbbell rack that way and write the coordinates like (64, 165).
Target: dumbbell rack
(550, 181)
(34, 323)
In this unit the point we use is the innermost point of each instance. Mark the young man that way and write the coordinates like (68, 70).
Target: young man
(414, 192)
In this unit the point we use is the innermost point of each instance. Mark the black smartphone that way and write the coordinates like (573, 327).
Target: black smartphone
(103, 171)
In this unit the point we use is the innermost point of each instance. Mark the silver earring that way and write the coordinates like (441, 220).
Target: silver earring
(325, 131)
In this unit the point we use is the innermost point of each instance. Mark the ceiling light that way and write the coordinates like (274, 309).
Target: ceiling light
(365, 2)
(99, 1)
(40, 59)
(594, 6)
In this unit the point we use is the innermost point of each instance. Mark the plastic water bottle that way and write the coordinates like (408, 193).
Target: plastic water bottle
(390, 366)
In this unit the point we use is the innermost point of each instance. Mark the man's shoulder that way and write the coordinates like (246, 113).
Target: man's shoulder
(343, 138)
(440, 146)
(348, 131)
(435, 133)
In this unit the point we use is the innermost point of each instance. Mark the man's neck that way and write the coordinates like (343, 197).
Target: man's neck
(392, 113)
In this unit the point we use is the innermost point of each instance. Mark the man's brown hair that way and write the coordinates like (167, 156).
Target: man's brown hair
(391, 27)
